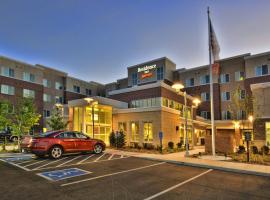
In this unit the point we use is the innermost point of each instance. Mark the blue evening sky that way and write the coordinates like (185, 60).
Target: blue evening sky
(97, 39)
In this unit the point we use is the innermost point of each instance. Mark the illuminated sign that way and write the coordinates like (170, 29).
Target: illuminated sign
(146, 68)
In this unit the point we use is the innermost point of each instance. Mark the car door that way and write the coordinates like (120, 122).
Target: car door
(67, 140)
(83, 142)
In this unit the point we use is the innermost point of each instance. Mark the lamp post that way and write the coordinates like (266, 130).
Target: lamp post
(91, 103)
(196, 101)
(178, 87)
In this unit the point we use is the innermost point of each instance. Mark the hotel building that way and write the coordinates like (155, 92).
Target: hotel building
(144, 104)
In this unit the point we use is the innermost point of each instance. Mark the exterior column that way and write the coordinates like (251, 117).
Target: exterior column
(83, 120)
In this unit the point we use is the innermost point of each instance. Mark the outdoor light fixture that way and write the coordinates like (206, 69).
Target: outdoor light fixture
(236, 124)
(88, 99)
(196, 101)
(250, 118)
(178, 86)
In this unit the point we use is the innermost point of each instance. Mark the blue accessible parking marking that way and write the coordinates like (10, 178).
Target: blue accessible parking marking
(14, 159)
(63, 174)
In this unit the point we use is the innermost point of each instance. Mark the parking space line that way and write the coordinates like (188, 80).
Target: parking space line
(68, 161)
(178, 185)
(122, 156)
(50, 163)
(24, 162)
(99, 157)
(110, 157)
(41, 161)
(85, 159)
(112, 174)
(16, 165)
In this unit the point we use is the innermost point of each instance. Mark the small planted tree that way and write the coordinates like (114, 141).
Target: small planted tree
(5, 121)
(121, 139)
(112, 139)
(24, 117)
(57, 122)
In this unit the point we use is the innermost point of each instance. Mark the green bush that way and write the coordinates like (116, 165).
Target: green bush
(265, 150)
(170, 145)
(112, 139)
(254, 150)
(179, 145)
(120, 139)
(148, 146)
(241, 149)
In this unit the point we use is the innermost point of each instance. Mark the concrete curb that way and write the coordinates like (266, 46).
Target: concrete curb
(209, 167)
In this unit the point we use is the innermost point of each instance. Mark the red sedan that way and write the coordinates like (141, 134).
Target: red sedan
(56, 143)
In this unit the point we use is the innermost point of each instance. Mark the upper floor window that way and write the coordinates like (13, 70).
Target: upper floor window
(224, 78)
(59, 99)
(134, 78)
(239, 76)
(58, 85)
(160, 73)
(241, 114)
(46, 98)
(226, 115)
(226, 96)
(28, 93)
(190, 82)
(261, 70)
(206, 114)
(6, 71)
(88, 92)
(6, 89)
(46, 113)
(28, 77)
(46, 83)
(76, 89)
(205, 96)
(242, 94)
(204, 79)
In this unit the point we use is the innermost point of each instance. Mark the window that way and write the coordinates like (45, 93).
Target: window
(205, 79)
(190, 82)
(76, 89)
(160, 73)
(134, 78)
(59, 99)
(241, 114)
(261, 70)
(171, 104)
(148, 132)
(28, 77)
(134, 131)
(225, 96)
(242, 94)
(80, 135)
(46, 98)
(206, 114)
(88, 92)
(226, 115)
(28, 93)
(205, 96)
(224, 78)
(46, 83)
(122, 126)
(6, 71)
(239, 76)
(142, 103)
(6, 89)
(58, 86)
(165, 102)
(46, 113)
(67, 135)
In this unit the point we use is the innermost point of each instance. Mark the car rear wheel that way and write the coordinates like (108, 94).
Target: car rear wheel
(98, 148)
(56, 152)
(14, 139)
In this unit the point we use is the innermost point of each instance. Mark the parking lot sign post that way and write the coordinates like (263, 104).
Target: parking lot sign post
(160, 140)
(247, 135)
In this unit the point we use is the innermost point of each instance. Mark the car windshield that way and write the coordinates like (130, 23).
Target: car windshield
(48, 134)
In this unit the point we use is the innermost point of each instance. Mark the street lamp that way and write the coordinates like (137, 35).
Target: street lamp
(91, 103)
(196, 101)
(178, 87)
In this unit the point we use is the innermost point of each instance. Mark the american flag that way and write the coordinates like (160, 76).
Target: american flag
(215, 49)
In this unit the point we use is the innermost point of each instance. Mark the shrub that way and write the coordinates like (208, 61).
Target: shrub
(120, 139)
(241, 149)
(112, 139)
(265, 150)
(170, 145)
(179, 145)
(148, 146)
(254, 150)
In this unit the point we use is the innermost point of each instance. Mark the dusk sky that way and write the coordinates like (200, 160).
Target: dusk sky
(98, 39)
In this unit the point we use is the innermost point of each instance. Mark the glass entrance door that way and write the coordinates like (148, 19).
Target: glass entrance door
(267, 133)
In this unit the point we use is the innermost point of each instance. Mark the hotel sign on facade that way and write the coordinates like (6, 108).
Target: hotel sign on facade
(146, 71)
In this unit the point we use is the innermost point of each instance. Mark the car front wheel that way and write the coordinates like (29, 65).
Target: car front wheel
(98, 148)
(56, 152)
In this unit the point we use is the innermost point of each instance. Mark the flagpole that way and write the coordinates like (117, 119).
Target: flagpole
(211, 86)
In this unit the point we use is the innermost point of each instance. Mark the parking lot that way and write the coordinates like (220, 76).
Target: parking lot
(112, 176)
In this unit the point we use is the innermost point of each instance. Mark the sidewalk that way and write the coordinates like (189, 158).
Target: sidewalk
(179, 158)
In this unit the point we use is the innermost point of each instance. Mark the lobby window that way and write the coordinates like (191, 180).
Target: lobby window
(190, 82)
(242, 94)
(134, 78)
(165, 102)
(204, 79)
(224, 78)
(88, 92)
(28, 77)
(58, 86)
(6, 89)
(46, 83)
(205, 96)
(134, 131)
(171, 104)
(261, 70)
(6, 71)
(239, 76)
(46, 113)
(148, 132)
(28, 93)
(76, 89)
(206, 114)
(225, 96)
(226, 115)
(46, 98)
(59, 99)
(122, 126)
(241, 114)
(160, 73)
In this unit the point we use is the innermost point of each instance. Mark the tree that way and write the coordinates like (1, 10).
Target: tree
(24, 117)
(57, 122)
(5, 115)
